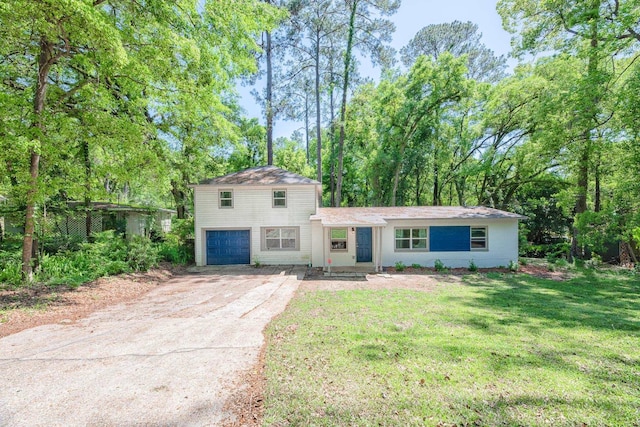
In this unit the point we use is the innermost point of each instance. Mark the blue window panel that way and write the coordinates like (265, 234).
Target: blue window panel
(450, 239)
(226, 247)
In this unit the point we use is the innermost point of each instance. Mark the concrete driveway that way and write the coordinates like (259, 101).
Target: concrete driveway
(169, 358)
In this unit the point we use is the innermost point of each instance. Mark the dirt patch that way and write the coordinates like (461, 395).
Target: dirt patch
(27, 308)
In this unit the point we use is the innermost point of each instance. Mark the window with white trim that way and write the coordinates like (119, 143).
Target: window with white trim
(225, 199)
(338, 239)
(280, 238)
(411, 239)
(279, 198)
(479, 239)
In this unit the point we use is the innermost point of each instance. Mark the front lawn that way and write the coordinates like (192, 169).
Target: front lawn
(494, 349)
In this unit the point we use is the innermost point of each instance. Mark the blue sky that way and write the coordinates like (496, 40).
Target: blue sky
(412, 16)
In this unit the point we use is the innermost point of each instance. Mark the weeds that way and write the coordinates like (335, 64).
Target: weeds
(439, 266)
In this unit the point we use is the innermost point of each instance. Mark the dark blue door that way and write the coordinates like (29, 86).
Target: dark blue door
(363, 244)
(450, 239)
(226, 247)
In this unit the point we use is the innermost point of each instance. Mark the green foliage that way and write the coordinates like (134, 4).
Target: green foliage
(109, 254)
(400, 266)
(177, 245)
(416, 266)
(10, 268)
(439, 266)
(554, 250)
(513, 266)
(472, 266)
(597, 229)
(142, 254)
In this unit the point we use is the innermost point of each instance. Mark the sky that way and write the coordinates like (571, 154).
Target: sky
(412, 16)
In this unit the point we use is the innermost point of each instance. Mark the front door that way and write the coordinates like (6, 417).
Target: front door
(363, 244)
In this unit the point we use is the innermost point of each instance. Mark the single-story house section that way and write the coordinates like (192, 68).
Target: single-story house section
(271, 216)
(129, 220)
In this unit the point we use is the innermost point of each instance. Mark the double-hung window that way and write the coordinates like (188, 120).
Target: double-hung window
(338, 239)
(280, 238)
(279, 198)
(411, 239)
(225, 199)
(479, 239)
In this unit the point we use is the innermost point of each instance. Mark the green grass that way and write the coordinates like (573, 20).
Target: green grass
(498, 349)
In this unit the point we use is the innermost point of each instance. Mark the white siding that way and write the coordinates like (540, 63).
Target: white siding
(502, 242)
(502, 235)
(253, 209)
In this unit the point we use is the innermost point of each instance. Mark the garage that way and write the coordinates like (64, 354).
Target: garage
(226, 247)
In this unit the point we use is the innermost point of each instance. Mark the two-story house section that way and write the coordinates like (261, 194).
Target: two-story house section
(258, 215)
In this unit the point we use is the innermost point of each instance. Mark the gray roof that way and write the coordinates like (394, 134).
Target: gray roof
(379, 215)
(106, 206)
(263, 175)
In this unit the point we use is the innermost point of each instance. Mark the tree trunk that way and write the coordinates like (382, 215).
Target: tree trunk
(597, 205)
(332, 133)
(318, 116)
(306, 125)
(589, 121)
(45, 61)
(269, 106)
(179, 198)
(343, 107)
(87, 188)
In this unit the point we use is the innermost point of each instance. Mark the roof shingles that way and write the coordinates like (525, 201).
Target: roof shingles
(380, 215)
(263, 175)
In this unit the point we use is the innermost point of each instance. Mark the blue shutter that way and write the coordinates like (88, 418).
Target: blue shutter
(450, 239)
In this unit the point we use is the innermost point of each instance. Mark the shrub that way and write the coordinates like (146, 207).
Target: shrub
(177, 246)
(439, 266)
(556, 250)
(142, 254)
(472, 266)
(523, 261)
(174, 252)
(513, 266)
(11, 270)
(416, 266)
(400, 266)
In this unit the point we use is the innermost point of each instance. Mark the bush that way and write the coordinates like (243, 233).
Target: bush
(174, 251)
(177, 246)
(400, 266)
(554, 250)
(60, 243)
(439, 266)
(513, 266)
(416, 266)
(142, 253)
(472, 266)
(11, 270)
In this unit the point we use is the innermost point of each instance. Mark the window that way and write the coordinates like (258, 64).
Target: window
(338, 239)
(226, 199)
(279, 198)
(411, 239)
(280, 238)
(478, 238)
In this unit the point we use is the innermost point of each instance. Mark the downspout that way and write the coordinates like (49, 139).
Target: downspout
(324, 247)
